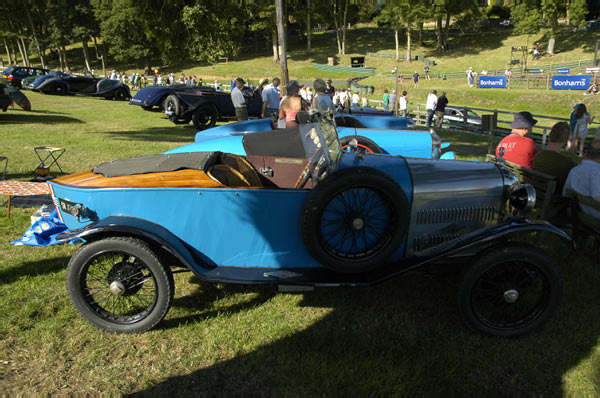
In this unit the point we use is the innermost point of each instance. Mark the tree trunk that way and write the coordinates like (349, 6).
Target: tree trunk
(438, 31)
(551, 43)
(27, 63)
(408, 43)
(60, 59)
(344, 28)
(35, 40)
(96, 47)
(10, 60)
(568, 16)
(64, 52)
(21, 51)
(275, 47)
(283, 44)
(421, 33)
(397, 43)
(308, 28)
(85, 54)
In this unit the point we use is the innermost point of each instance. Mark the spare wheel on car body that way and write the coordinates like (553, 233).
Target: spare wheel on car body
(355, 220)
(364, 144)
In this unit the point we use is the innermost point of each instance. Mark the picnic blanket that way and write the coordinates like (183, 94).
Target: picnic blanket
(24, 188)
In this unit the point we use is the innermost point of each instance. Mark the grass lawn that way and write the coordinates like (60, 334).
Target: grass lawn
(401, 338)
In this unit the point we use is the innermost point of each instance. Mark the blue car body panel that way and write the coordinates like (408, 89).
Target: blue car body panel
(151, 96)
(255, 237)
(398, 141)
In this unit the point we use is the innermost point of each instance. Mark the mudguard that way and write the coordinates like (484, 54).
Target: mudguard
(49, 83)
(149, 231)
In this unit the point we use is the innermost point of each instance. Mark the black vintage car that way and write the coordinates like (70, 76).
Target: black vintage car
(4, 97)
(206, 107)
(15, 74)
(86, 84)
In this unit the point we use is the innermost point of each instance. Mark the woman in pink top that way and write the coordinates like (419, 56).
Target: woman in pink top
(291, 104)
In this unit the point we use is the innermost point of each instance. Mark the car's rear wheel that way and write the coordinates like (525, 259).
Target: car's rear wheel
(119, 285)
(58, 89)
(365, 144)
(510, 290)
(355, 220)
(172, 107)
(121, 94)
(204, 117)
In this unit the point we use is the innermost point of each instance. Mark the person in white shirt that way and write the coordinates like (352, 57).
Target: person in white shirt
(355, 99)
(585, 180)
(403, 102)
(239, 102)
(159, 80)
(430, 107)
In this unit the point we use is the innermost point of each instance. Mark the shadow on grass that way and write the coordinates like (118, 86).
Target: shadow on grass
(203, 299)
(29, 117)
(33, 268)
(180, 133)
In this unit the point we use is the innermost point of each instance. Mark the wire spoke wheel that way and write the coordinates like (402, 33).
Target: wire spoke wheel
(119, 287)
(357, 223)
(510, 295)
(118, 284)
(510, 290)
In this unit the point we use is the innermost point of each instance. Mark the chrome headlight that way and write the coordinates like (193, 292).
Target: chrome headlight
(522, 198)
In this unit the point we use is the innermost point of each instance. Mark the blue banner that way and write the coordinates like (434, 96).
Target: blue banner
(564, 71)
(571, 82)
(492, 81)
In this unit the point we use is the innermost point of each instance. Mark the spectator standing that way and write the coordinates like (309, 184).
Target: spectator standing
(403, 104)
(430, 107)
(364, 102)
(440, 108)
(386, 100)
(232, 85)
(329, 90)
(239, 102)
(401, 78)
(113, 75)
(426, 69)
(572, 124)
(309, 95)
(355, 99)
(270, 98)
(194, 81)
(585, 180)
(159, 79)
(393, 100)
(518, 148)
(155, 79)
(335, 99)
(508, 74)
(416, 79)
(553, 160)
(322, 101)
(342, 98)
(581, 128)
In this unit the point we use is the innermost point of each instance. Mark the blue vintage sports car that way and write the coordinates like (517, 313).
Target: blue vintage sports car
(299, 211)
(58, 83)
(373, 134)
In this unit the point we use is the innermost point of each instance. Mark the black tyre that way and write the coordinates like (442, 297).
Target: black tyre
(204, 117)
(173, 106)
(119, 285)
(355, 220)
(147, 108)
(121, 94)
(510, 290)
(365, 144)
(59, 89)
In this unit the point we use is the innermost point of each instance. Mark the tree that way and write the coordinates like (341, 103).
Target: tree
(340, 14)
(528, 19)
(214, 33)
(398, 17)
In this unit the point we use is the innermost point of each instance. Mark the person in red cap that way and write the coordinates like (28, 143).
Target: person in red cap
(518, 148)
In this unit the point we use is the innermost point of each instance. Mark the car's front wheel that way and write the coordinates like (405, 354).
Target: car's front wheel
(204, 117)
(172, 107)
(118, 284)
(510, 290)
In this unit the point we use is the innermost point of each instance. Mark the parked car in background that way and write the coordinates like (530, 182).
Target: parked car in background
(297, 210)
(85, 84)
(457, 115)
(389, 136)
(4, 97)
(507, 22)
(589, 26)
(15, 74)
(205, 108)
(153, 97)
